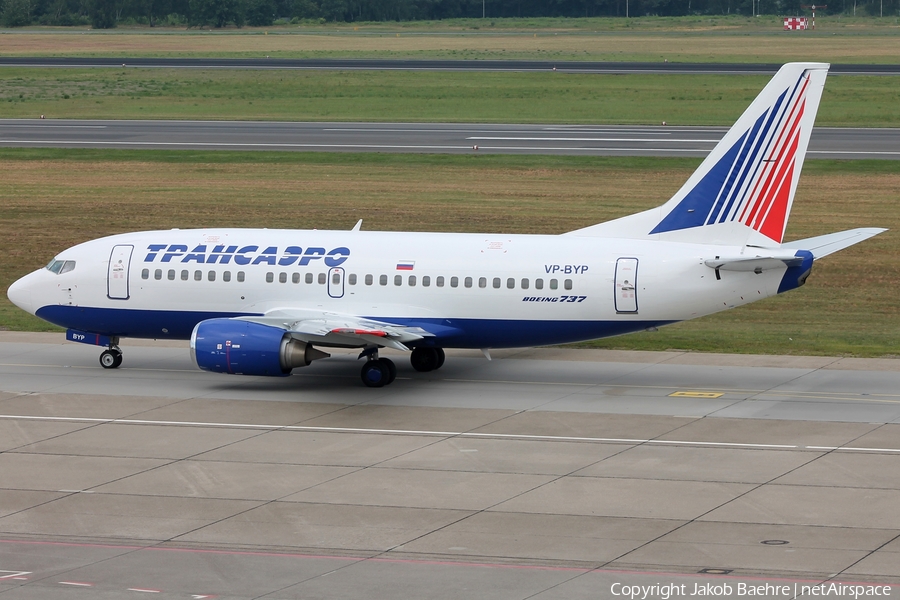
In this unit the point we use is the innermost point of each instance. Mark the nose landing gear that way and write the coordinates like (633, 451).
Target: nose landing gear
(111, 358)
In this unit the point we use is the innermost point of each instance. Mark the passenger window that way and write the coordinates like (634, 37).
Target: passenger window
(524, 283)
(412, 281)
(295, 278)
(454, 282)
(184, 275)
(426, 281)
(226, 276)
(322, 278)
(467, 282)
(171, 274)
(211, 275)
(398, 279)
(482, 282)
(270, 277)
(157, 274)
(309, 278)
(538, 284)
(145, 274)
(336, 278)
(439, 281)
(382, 280)
(69, 265)
(282, 278)
(567, 284)
(369, 279)
(496, 283)
(240, 276)
(554, 284)
(351, 279)
(198, 275)
(511, 283)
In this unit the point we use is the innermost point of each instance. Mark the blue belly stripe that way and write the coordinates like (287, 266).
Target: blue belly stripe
(449, 333)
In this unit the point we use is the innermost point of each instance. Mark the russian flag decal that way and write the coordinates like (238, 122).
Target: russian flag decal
(406, 265)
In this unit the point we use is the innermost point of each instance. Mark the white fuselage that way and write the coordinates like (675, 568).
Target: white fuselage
(471, 290)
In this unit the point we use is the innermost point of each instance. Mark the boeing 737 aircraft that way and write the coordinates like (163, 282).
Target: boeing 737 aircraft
(264, 302)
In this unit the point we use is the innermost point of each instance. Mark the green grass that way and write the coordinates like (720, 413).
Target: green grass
(53, 199)
(861, 101)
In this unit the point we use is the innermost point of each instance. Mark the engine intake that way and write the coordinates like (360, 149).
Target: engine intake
(246, 348)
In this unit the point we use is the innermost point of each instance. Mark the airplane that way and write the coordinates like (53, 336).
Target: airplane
(264, 302)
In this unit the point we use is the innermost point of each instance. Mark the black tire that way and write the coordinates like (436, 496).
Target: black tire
(441, 357)
(375, 374)
(392, 369)
(424, 359)
(110, 359)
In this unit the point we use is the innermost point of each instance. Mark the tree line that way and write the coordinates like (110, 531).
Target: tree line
(103, 14)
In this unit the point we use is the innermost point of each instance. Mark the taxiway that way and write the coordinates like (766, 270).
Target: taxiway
(542, 474)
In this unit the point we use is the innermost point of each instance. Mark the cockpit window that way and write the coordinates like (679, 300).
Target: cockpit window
(61, 266)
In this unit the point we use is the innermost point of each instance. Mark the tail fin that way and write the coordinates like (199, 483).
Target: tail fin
(743, 192)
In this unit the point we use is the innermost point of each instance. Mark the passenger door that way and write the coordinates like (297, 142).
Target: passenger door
(626, 285)
(117, 277)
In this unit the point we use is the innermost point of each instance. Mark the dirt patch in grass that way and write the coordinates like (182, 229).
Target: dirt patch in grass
(775, 46)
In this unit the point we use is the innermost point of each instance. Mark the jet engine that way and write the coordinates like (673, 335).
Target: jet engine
(246, 348)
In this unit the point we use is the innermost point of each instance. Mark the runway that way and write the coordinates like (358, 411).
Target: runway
(544, 473)
(457, 138)
(357, 64)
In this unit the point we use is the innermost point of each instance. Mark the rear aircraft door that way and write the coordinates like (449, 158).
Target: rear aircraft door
(626, 285)
(117, 278)
(336, 282)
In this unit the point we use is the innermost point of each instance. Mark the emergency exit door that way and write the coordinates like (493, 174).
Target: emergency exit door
(119, 267)
(626, 285)
(336, 282)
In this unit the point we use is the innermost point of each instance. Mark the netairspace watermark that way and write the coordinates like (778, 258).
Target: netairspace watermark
(665, 591)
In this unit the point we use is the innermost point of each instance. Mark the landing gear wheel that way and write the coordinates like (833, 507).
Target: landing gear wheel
(426, 359)
(392, 369)
(110, 359)
(375, 374)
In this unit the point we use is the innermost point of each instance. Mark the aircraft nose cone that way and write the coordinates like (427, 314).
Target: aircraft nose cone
(21, 294)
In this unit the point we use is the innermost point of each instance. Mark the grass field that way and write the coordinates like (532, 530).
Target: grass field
(53, 199)
(686, 39)
(864, 101)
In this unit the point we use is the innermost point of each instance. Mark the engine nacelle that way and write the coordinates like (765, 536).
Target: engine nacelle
(245, 348)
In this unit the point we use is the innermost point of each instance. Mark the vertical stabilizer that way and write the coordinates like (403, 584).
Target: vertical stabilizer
(743, 192)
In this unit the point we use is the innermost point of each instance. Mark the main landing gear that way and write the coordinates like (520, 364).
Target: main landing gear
(427, 359)
(379, 372)
(111, 358)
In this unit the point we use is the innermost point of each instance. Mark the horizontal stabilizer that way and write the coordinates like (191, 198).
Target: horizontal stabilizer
(757, 264)
(824, 245)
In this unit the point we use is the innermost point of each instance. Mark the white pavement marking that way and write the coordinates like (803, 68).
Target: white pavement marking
(584, 139)
(76, 583)
(43, 126)
(235, 144)
(460, 434)
(13, 574)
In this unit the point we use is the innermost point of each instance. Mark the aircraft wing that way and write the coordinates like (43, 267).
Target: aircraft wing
(824, 245)
(335, 329)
